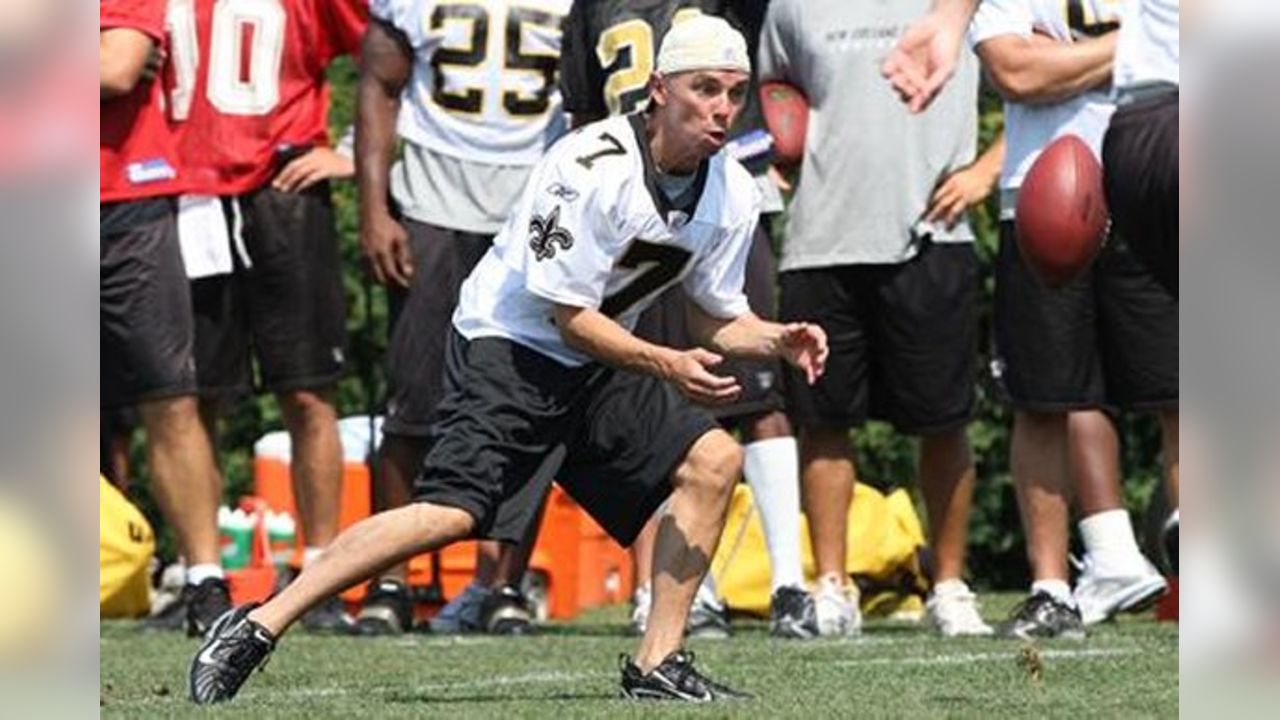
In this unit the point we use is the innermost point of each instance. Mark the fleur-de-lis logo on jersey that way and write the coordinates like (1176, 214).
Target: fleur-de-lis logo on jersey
(545, 234)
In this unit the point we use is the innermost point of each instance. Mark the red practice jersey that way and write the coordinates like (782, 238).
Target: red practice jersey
(137, 149)
(250, 81)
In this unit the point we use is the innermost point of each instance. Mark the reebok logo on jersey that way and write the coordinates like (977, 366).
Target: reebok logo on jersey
(545, 234)
(562, 191)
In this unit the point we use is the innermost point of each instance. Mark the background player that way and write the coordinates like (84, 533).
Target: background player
(473, 123)
(146, 320)
(252, 92)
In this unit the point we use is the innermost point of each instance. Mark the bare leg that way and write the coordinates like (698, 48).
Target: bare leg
(687, 537)
(361, 551)
(1169, 431)
(827, 477)
(1039, 465)
(642, 551)
(399, 458)
(316, 469)
(1094, 461)
(185, 478)
(947, 482)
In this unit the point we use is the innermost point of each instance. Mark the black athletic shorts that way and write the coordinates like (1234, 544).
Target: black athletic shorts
(507, 408)
(903, 341)
(1140, 161)
(146, 325)
(666, 323)
(421, 322)
(287, 309)
(1108, 338)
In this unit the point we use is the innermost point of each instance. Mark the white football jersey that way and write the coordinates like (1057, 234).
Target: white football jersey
(1147, 50)
(484, 84)
(593, 230)
(1028, 128)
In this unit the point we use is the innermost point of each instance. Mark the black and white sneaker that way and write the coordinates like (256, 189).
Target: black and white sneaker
(205, 603)
(792, 614)
(330, 616)
(674, 679)
(387, 610)
(1043, 616)
(234, 647)
(506, 612)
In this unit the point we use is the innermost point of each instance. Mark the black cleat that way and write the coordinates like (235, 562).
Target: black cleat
(506, 612)
(1043, 616)
(388, 609)
(234, 647)
(792, 614)
(330, 616)
(173, 618)
(674, 679)
(205, 603)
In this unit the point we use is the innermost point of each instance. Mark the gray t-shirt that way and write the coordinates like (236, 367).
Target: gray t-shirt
(869, 166)
(453, 193)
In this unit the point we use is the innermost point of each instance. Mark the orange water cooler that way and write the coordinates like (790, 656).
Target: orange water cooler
(574, 560)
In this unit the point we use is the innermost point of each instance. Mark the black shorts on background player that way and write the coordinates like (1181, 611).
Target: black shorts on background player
(421, 322)
(288, 309)
(147, 342)
(507, 408)
(1108, 338)
(1140, 163)
(666, 323)
(903, 341)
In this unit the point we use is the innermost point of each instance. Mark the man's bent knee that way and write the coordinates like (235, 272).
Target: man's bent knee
(713, 463)
(431, 519)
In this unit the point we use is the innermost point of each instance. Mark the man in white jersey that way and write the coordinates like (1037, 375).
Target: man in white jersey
(1107, 340)
(473, 123)
(1140, 169)
(542, 359)
(1140, 153)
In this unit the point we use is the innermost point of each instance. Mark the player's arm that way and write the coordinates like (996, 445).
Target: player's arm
(968, 186)
(124, 55)
(590, 331)
(1028, 69)
(386, 62)
(803, 345)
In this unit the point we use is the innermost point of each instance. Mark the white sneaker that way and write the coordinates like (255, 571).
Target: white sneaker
(835, 603)
(461, 614)
(1099, 597)
(641, 604)
(952, 610)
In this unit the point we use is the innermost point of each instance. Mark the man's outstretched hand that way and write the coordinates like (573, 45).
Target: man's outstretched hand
(804, 345)
(925, 57)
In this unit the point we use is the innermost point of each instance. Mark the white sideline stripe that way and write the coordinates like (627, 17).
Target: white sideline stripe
(963, 658)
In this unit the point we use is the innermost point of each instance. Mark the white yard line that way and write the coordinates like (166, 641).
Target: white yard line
(1009, 656)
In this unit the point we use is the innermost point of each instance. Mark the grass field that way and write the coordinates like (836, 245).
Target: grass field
(1125, 669)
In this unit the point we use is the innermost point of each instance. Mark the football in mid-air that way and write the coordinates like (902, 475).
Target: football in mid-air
(786, 115)
(1061, 215)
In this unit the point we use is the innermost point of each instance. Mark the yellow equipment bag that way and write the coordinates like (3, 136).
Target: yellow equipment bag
(125, 546)
(885, 539)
